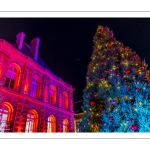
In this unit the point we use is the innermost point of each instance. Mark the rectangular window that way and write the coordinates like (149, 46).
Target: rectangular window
(34, 88)
(7, 82)
(12, 83)
(29, 126)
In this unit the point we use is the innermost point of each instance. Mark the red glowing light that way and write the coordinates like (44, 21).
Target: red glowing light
(125, 49)
(101, 30)
(127, 71)
(92, 103)
(134, 127)
(107, 71)
(110, 45)
(147, 79)
(25, 89)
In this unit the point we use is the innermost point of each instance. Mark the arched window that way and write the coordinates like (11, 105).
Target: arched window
(53, 94)
(6, 111)
(12, 76)
(34, 87)
(51, 125)
(65, 125)
(31, 123)
(65, 99)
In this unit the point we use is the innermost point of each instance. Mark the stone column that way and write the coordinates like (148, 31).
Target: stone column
(3, 67)
(71, 124)
(30, 76)
(46, 90)
(59, 123)
(25, 82)
(20, 117)
(58, 96)
(40, 120)
(43, 89)
(71, 101)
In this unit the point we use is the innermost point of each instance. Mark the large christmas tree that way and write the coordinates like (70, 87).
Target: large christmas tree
(117, 92)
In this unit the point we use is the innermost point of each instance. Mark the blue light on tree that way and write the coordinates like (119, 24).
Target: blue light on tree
(117, 92)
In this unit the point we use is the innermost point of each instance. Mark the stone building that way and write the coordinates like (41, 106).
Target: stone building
(78, 118)
(32, 97)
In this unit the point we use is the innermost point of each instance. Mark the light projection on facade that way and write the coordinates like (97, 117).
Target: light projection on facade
(32, 97)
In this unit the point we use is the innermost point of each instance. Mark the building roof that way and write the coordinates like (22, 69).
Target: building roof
(26, 50)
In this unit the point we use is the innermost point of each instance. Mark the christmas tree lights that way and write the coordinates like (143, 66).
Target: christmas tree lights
(117, 92)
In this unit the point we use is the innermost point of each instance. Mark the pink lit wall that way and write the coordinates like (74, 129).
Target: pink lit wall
(23, 99)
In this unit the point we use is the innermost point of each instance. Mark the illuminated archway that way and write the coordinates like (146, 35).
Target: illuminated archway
(6, 111)
(32, 121)
(53, 94)
(51, 124)
(13, 76)
(65, 125)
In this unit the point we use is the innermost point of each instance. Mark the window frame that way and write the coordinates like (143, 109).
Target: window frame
(51, 124)
(65, 125)
(7, 109)
(34, 87)
(13, 74)
(32, 118)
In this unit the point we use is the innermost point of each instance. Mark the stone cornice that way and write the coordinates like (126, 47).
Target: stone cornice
(41, 103)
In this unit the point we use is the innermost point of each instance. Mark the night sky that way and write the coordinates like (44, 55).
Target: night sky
(66, 43)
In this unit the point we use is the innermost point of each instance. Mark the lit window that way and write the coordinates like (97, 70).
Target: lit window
(53, 94)
(11, 77)
(65, 125)
(3, 118)
(31, 123)
(34, 88)
(51, 125)
(65, 99)
(5, 115)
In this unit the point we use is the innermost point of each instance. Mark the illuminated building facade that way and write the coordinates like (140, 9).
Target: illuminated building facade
(78, 118)
(32, 97)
